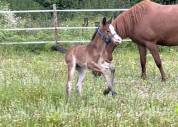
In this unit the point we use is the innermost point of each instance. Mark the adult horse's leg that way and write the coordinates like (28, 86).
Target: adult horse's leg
(71, 70)
(81, 72)
(142, 51)
(154, 51)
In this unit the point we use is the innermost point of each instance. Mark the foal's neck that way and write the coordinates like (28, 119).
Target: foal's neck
(98, 43)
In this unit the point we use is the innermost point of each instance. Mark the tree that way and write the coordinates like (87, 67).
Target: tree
(61, 4)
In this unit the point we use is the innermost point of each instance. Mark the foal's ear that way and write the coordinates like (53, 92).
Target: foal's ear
(110, 20)
(104, 21)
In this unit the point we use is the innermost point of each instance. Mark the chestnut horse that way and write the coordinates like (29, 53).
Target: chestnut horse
(92, 56)
(149, 24)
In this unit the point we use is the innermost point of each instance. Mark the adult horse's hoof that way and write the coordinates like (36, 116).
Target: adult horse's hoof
(114, 93)
(143, 76)
(106, 91)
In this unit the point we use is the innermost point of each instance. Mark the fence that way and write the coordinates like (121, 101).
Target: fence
(55, 26)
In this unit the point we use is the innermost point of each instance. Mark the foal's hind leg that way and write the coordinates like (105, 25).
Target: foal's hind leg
(81, 72)
(71, 70)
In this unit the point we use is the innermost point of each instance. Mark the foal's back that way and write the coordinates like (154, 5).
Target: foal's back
(81, 54)
(76, 53)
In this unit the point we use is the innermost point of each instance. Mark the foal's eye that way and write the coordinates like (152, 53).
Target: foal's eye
(108, 31)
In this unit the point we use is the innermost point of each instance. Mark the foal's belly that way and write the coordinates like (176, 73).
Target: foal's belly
(84, 57)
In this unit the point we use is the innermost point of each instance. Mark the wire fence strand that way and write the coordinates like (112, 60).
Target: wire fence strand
(53, 28)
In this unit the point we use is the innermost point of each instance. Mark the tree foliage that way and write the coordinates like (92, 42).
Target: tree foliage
(66, 4)
(73, 4)
(23, 4)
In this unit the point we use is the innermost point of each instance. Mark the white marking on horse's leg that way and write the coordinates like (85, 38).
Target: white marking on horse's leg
(81, 77)
(69, 87)
(112, 68)
(108, 73)
(104, 68)
(71, 70)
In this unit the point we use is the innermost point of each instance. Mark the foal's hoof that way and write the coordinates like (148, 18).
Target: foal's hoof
(106, 91)
(114, 93)
(163, 79)
(96, 74)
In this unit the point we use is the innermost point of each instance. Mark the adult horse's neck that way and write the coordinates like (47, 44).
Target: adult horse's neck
(120, 27)
(126, 22)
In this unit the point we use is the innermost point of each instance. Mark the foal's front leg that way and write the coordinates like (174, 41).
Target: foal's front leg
(109, 71)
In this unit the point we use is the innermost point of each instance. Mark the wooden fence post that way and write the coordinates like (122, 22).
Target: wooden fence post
(55, 23)
(57, 46)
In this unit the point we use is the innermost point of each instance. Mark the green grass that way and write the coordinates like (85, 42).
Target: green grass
(32, 92)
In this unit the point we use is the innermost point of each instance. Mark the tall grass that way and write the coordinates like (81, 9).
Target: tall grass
(32, 92)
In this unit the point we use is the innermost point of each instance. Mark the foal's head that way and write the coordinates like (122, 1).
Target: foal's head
(109, 36)
(107, 32)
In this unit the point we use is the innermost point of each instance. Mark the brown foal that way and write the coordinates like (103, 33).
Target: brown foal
(91, 56)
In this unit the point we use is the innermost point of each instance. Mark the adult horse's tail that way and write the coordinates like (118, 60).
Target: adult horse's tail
(59, 48)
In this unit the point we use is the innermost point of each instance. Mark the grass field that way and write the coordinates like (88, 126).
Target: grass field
(32, 92)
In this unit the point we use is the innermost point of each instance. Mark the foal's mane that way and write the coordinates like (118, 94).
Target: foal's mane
(93, 37)
(94, 34)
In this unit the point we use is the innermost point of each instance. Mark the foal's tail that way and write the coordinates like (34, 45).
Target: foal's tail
(59, 48)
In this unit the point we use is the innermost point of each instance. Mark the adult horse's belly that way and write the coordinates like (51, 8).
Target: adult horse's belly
(169, 35)
(166, 43)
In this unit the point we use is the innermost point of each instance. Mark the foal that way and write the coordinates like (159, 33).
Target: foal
(90, 56)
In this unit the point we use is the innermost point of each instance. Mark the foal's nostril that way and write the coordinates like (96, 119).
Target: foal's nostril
(110, 59)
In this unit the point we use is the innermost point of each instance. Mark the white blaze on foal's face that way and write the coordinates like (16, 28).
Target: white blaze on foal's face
(116, 38)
